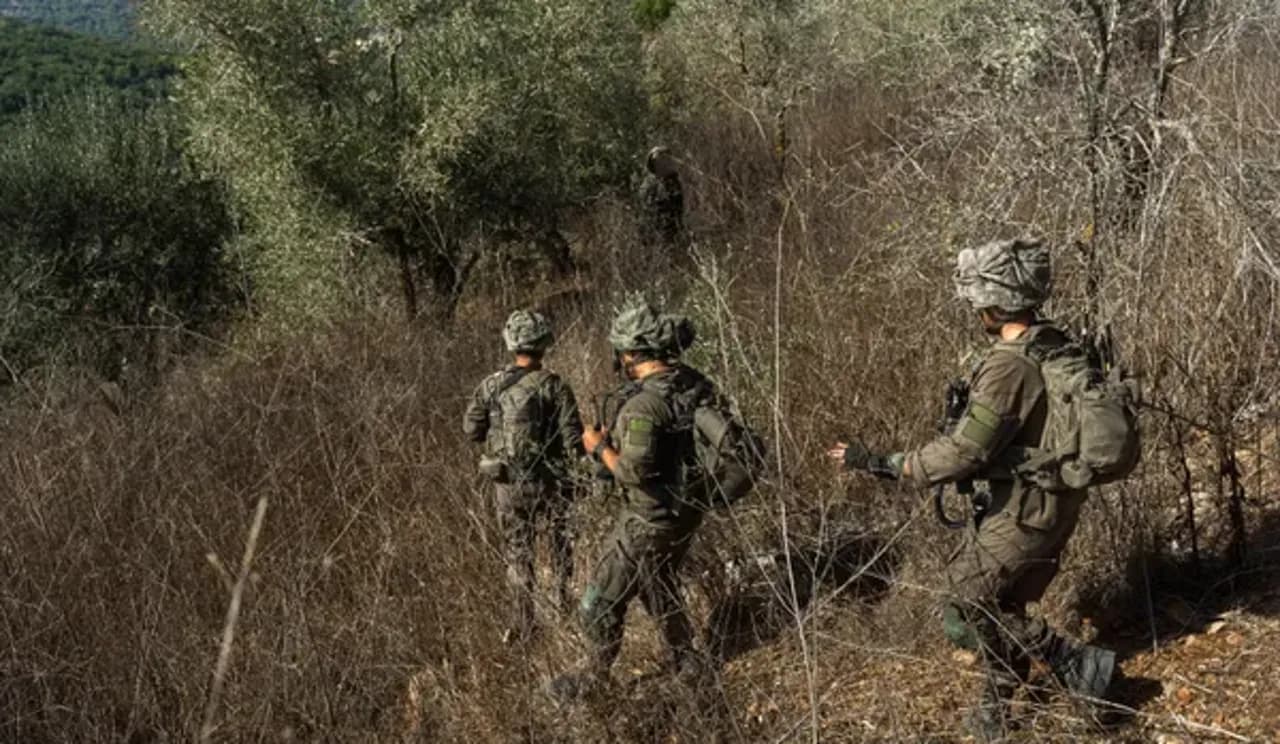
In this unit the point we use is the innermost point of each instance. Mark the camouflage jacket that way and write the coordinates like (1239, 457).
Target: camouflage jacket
(558, 434)
(662, 199)
(1007, 410)
(653, 448)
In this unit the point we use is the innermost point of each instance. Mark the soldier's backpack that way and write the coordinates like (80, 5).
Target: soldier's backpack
(728, 456)
(519, 425)
(1091, 435)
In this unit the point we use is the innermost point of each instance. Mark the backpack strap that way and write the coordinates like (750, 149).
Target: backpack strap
(1033, 349)
(511, 379)
(1047, 344)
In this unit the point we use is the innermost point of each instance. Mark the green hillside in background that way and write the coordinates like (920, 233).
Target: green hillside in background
(39, 62)
(110, 18)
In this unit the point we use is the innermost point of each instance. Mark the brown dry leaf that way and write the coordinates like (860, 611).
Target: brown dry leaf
(967, 658)
(1234, 639)
(1184, 695)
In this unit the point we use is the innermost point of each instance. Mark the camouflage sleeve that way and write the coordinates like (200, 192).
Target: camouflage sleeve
(475, 422)
(675, 193)
(997, 407)
(649, 191)
(640, 424)
(568, 420)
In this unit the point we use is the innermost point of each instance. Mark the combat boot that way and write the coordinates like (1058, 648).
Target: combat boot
(1084, 670)
(577, 685)
(988, 721)
(695, 672)
(991, 719)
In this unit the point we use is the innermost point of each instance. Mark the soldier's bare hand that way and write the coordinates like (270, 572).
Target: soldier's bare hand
(837, 451)
(591, 438)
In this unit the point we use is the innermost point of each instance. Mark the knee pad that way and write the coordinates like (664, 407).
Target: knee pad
(596, 616)
(958, 629)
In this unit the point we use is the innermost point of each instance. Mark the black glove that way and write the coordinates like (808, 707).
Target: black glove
(858, 457)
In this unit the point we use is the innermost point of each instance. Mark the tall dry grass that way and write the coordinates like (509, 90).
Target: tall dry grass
(373, 605)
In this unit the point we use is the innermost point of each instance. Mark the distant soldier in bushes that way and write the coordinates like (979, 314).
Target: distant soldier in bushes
(661, 200)
(1011, 549)
(528, 419)
(644, 450)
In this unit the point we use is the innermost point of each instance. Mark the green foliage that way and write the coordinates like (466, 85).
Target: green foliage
(106, 236)
(38, 62)
(109, 18)
(757, 55)
(421, 129)
(651, 13)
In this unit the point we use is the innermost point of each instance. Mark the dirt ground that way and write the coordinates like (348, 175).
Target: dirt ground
(1210, 676)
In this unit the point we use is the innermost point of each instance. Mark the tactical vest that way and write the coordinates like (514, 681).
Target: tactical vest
(717, 454)
(521, 424)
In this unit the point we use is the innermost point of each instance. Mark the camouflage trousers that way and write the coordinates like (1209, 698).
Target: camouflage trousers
(1005, 563)
(640, 558)
(521, 506)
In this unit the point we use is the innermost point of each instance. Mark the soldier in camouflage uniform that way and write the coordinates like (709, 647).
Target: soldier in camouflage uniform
(661, 199)
(644, 451)
(528, 418)
(1010, 556)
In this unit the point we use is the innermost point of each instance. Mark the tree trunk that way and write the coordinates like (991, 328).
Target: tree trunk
(408, 280)
(1189, 497)
(553, 246)
(449, 271)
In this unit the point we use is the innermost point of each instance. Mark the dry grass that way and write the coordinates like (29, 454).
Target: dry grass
(373, 608)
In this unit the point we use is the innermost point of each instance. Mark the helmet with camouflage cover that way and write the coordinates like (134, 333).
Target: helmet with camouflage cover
(659, 161)
(1012, 275)
(527, 331)
(639, 326)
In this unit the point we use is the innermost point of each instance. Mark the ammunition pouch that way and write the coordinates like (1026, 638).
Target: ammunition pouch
(979, 504)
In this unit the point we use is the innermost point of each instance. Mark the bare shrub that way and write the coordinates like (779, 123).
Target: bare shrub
(822, 296)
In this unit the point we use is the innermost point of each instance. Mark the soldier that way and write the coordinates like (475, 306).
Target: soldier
(661, 199)
(644, 449)
(1010, 556)
(528, 418)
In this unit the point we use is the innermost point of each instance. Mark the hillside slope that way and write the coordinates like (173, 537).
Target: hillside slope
(38, 62)
(110, 18)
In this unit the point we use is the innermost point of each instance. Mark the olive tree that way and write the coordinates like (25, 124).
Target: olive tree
(418, 130)
(111, 246)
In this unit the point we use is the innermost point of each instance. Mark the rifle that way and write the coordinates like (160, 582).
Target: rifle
(956, 403)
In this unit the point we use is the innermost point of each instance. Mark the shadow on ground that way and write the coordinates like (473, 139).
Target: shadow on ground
(1171, 597)
(763, 593)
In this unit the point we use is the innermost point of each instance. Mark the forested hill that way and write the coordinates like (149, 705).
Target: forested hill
(110, 18)
(39, 62)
